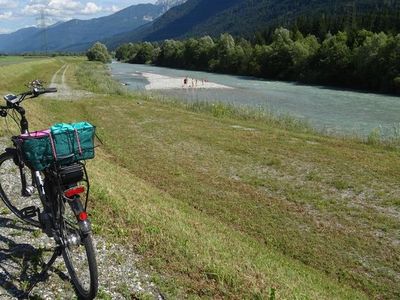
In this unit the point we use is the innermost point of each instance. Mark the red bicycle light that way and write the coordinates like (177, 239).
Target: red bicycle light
(83, 216)
(74, 191)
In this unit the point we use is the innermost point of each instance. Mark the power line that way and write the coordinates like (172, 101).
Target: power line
(42, 24)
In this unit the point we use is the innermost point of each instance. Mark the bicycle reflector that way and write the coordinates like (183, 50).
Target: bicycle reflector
(74, 191)
(83, 216)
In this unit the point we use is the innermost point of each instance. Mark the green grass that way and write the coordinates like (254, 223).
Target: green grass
(245, 113)
(217, 210)
(8, 60)
(13, 77)
(94, 78)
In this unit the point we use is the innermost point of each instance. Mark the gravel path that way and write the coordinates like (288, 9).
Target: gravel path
(65, 92)
(24, 249)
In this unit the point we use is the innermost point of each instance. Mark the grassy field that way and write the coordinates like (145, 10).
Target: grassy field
(224, 204)
(11, 60)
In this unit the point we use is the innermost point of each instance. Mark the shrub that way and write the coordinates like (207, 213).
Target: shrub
(98, 52)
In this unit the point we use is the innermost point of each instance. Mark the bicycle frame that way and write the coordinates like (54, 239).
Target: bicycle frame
(64, 215)
(37, 180)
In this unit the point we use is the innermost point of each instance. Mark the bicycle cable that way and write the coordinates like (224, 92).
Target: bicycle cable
(14, 116)
(7, 125)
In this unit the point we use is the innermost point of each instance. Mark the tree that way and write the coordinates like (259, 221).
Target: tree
(99, 52)
(206, 51)
(146, 54)
(224, 50)
(390, 62)
(334, 59)
(171, 54)
(126, 51)
(280, 55)
(302, 53)
(368, 60)
(191, 54)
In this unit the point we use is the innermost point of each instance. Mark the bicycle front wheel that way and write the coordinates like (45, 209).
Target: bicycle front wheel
(23, 204)
(79, 257)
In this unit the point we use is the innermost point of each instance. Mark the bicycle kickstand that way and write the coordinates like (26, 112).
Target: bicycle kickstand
(46, 268)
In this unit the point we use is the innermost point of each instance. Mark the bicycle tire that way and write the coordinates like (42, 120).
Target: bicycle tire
(75, 262)
(11, 186)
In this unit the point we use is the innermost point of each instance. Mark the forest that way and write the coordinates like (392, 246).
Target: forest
(359, 59)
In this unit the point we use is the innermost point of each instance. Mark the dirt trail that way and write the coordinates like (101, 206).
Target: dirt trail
(65, 92)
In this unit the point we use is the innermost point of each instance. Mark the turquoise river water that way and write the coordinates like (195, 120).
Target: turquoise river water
(331, 110)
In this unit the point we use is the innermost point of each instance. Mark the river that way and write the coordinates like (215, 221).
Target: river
(330, 110)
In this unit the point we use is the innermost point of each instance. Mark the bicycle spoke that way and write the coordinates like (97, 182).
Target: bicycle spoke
(11, 190)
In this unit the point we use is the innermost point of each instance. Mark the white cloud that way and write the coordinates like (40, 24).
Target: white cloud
(64, 9)
(52, 8)
(114, 8)
(5, 4)
(64, 5)
(91, 9)
(6, 16)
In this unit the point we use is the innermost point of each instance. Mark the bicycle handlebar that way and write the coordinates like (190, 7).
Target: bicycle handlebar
(51, 90)
(39, 91)
(13, 100)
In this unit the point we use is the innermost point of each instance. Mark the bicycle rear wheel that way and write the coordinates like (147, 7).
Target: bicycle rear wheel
(11, 193)
(79, 256)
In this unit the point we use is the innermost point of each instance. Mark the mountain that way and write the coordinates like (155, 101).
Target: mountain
(168, 4)
(244, 17)
(77, 35)
(185, 18)
(7, 41)
(176, 22)
(249, 16)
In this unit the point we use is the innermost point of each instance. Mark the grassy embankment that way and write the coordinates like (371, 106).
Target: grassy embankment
(8, 60)
(224, 204)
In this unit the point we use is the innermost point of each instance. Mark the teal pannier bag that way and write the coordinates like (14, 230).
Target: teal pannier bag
(63, 143)
(37, 149)
(73, 142)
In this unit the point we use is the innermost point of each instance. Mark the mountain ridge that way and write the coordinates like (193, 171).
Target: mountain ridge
(245, 17)
(76, 35)
(179, 19)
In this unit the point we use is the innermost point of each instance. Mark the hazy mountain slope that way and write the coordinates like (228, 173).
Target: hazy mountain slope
(183, 18)
(73, 32)
(17, 38)
(168, 4)
(177, 21)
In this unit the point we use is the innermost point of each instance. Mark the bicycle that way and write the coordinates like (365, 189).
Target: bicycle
(50, 200)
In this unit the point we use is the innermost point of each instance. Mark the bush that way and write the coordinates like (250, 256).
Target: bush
(99, 52)
(396, 83)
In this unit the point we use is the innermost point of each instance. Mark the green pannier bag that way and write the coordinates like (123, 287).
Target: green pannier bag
(62, 144)
(73, 142)
(37, 149)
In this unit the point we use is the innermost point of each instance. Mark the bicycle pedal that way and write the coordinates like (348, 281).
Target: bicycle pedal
(29, 212)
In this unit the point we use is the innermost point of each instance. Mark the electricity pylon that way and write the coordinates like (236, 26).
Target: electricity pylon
(42, 24)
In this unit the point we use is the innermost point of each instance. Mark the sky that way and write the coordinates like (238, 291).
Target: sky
(17, 14)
